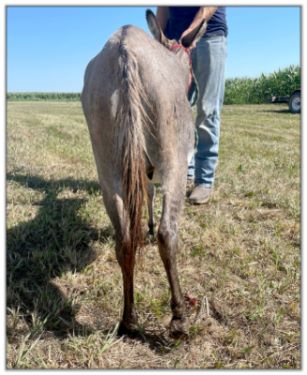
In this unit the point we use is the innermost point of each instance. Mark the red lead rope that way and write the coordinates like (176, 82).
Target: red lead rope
(177, 46)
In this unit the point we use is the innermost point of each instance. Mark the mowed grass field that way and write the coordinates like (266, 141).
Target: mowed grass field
(240, 253)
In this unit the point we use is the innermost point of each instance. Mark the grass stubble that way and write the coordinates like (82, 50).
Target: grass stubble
(239, 257)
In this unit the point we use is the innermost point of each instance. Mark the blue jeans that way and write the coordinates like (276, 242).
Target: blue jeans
(208, 59)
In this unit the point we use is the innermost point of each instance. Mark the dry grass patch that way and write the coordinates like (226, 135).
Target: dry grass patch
(240, 254)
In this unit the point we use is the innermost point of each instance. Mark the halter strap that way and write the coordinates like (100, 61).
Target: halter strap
(177, 46)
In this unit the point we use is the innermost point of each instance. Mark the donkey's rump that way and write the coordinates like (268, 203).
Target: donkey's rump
(161, 85)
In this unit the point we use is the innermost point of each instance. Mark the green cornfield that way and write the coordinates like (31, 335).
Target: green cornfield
(259, 90)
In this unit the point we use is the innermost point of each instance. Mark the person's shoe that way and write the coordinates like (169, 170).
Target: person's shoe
(200, 194)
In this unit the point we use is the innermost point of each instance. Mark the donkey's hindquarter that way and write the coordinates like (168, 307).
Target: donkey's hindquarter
(139, 119)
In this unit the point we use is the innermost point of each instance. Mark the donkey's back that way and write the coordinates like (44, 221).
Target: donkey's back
(140, 122)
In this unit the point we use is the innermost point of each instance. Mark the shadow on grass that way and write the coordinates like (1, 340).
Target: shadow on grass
(278, 110)
(159, 342)
(54, 242)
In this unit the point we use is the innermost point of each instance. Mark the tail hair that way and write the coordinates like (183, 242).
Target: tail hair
(131, 145)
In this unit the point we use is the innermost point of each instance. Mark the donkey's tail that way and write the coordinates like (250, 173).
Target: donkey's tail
(131, 145)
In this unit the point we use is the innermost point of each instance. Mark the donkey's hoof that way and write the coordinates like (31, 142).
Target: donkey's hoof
(179, 328)
(129, 329)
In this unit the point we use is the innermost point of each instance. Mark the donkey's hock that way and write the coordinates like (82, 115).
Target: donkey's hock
(140, 123)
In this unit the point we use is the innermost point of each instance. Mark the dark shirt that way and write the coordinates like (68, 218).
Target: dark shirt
(180, 19)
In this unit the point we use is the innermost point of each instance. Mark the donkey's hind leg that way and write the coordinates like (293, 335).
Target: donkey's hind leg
(125, 255)
(168, 247)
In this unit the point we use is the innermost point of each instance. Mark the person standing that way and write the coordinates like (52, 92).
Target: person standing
(208, 61)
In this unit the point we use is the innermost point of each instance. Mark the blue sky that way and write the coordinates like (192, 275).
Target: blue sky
(48, 48)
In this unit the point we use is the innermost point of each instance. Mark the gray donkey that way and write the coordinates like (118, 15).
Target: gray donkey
(141, 125)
